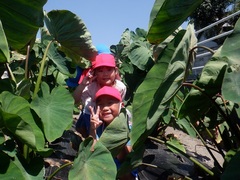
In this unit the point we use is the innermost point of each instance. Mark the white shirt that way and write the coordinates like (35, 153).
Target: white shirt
(90, 90)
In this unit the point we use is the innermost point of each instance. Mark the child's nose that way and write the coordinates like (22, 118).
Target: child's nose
(105, 73)
(104, 107)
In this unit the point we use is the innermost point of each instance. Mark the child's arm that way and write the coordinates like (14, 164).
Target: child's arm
(95, 122)
(78, 91)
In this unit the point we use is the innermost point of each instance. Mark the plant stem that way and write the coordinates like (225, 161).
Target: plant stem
(233, 126)
(10, 72)
(60, 168)
(41, 71)
(26, 63)
(210, 152)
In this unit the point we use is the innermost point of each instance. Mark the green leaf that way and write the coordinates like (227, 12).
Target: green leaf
(53, 53)
(210, 81)
(185, 124)
(70, 31)
(166, 16)
(116, 134)
(4, 50)
(175, 146)
(232, 170)
(21, 20)
(97, 164)
(231, 84)
(231, 50)
(140, 55)
(14, 169)
(160, 85)
(219, 74)
(17, 118)
(54, 109)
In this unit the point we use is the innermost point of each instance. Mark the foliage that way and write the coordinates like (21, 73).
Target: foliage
(36, 106)
(209, 12)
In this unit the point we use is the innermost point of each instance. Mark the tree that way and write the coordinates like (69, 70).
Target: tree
(211, 11)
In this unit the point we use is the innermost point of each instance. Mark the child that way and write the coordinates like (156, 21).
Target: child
(103, 73)
(109, 104)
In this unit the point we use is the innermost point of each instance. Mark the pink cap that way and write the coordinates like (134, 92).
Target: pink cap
(104, 60)
(110, 91)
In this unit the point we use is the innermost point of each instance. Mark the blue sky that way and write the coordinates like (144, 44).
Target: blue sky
(106, 20)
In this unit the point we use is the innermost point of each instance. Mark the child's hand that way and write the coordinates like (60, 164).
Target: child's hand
(88, 78)
(95, 122)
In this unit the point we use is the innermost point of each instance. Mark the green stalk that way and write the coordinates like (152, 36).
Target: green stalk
(41, 71)
(233, 126)
(10, 72)
(26, 151)
(192, 55)
(61, 167)
(209, 151)
(26, 63)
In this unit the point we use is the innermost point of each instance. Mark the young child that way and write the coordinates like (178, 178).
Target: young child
(109, 104)
(104, 72)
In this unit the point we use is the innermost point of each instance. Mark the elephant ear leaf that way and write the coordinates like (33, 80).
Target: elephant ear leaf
(162, 82)
(21, 20)
(19, 121)
(230, 50)
(4, 50)
(70, 31)
(92, 163)
(116, 134)
(166, 16)
(55, 110)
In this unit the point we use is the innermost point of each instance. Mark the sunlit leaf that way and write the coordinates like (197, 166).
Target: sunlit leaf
(140, 55)
(97, 164)
(175, 146)
(116, 134)
(72, 34)
(161, 83)
(231, 50)
(166, 16)
(211, 80)
(4, 49)
(21, 20)
(55, 110)
(216, 76)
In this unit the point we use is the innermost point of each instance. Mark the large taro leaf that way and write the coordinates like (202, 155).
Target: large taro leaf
(70, 31)
(14, 168)
(219, 74)
(197, 103)
(231, 50)
(231, 84)
(4, 49)
(166, 16)
(21, 20)
(89, 164)
(53, 53)
(54, 109)
(116, 134)
(160, 85)
(17, 119)
(140, 55)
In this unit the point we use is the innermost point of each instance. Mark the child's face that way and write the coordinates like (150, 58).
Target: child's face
(105, 76)
(109, 108)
